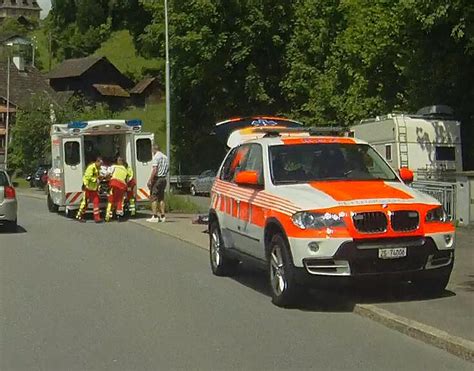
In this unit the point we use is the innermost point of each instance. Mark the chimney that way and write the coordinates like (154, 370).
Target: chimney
(19, 63)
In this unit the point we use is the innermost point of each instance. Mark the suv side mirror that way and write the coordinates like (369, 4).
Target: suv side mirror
(406, 174)
(247, 178)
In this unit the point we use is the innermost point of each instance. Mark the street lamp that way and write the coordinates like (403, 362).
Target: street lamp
(7, 121)
(167, 82)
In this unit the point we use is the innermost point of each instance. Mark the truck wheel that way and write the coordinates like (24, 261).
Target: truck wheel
(221, 264)
(52, 207)
(431, 286)
(285, 290)
(193, 191)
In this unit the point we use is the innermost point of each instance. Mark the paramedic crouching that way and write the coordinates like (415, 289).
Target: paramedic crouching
(118, 187)
(157, 185)
(90, 182)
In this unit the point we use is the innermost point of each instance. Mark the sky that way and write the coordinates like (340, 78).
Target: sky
(46, 6)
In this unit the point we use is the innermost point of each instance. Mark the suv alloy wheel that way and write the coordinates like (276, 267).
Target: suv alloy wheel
(221, 265)
(284, 288)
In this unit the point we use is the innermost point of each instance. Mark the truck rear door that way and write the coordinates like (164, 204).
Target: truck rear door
(73, 160)
(142, 155)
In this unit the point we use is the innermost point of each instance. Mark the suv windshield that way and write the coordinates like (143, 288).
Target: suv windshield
(327, 161)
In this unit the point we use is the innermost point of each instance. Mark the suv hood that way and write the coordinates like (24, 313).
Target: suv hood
(322, 195)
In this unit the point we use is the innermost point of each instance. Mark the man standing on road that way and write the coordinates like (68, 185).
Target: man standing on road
(157, 185)
(90, 186)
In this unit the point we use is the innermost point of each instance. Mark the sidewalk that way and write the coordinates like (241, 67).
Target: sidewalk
(446, 322)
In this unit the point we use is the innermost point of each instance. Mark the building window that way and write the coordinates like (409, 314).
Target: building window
(388, 152)
(72, 154)
(144, 150)
(445, 153)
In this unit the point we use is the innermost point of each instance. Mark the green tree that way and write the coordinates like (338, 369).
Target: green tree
(31, 131)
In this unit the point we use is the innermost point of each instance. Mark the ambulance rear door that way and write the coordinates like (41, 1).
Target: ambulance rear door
(73, 161)
(142, 155)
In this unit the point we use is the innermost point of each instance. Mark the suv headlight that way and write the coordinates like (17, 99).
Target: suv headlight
(309, 220)
(437, 215)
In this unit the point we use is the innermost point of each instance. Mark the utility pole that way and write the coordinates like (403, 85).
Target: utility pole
(49, 50)
(8, 112)
(168, 113)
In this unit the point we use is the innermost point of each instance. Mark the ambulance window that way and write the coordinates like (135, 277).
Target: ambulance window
(72, 154)
(144, 150)
(226, 173)
(445, 154)
(254, 161)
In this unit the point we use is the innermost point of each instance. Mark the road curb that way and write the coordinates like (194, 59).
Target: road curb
(457, 346)
(169, 234)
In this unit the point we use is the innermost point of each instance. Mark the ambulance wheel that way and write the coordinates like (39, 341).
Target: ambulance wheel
(285, 291)
(221, 264)
(70, 214)
(52, 207)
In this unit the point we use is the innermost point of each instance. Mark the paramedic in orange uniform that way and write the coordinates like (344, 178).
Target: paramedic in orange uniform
(118, 189)
(90, 186)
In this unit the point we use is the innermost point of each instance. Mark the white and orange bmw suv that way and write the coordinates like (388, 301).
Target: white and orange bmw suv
(322, 209)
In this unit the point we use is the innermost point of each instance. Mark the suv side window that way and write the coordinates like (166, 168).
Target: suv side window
(254, 161)
(225, 172)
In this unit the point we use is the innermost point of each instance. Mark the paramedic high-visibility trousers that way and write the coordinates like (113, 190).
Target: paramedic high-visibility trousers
(116, 196)
(131, 197)
(89, 196)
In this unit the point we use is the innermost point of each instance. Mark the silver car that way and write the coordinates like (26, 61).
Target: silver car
(203, 183)
(8, 203)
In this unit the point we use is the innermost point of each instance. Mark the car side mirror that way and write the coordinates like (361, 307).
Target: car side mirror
(247, 178)
(406, 174)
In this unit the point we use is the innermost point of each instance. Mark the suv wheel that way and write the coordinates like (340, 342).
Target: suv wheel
(221, 265)
(284, 288)
(431, 286)
(12, 226)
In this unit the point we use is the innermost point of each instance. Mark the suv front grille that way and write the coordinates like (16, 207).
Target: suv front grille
(370, 222)
(404, 221)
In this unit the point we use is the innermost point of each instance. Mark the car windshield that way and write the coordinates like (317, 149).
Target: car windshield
(327, 161)
(3, 179)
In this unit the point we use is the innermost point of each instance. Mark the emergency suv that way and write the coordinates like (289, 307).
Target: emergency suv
(76, 144)
(315, 209)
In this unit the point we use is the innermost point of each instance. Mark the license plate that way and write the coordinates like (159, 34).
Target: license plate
(396, 253)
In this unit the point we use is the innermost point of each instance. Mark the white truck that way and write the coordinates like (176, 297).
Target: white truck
(76, 144)
(428, 142)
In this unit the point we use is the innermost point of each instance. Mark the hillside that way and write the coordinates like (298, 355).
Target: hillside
(120, 50)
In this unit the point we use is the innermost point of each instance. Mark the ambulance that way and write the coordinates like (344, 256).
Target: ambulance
(314, 209)
(76, 144)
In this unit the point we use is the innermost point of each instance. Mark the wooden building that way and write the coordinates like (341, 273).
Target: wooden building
(23, 9)
(94, 78)
(147, 91)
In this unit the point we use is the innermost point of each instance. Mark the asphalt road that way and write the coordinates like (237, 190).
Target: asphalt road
(122, 297)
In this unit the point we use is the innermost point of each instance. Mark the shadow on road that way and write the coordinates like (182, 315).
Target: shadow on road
(19, 230)
(339, 299)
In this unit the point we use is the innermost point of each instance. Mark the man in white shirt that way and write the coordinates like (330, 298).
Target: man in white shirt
(157, 185)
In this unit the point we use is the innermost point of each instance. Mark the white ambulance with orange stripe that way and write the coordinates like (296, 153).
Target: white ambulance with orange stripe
(315, 209)
(76, 144)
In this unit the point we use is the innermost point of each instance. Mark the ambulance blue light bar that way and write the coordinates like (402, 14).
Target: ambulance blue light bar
(77, 125)
(134, 123)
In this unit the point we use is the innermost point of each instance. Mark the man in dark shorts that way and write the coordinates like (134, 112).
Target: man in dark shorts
(157, 185)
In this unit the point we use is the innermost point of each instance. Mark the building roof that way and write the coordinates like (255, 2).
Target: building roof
(20, 4)
(73, 67)
(24, 84)
(111, 90)
(142, 85)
